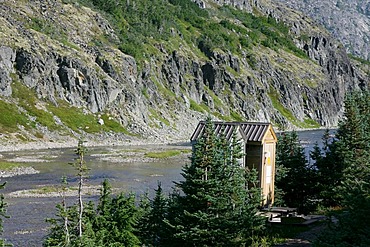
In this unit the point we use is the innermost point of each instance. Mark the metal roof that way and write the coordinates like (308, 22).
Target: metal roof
(250, 131)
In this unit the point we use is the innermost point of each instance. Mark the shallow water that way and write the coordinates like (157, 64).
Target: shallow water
(26, 225)
(123, 166)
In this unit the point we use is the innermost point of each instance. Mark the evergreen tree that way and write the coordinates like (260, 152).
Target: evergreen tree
(115, 221)
(67, 228)
(354, 134)
(152, 228)
(57, 234)
(3, 206)
(295, 177)
(353, 149)
(216, 206)
(110, 223)
(82, 170)
(329, 171)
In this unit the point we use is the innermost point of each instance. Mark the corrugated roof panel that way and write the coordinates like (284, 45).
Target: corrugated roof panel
(259, 131)
(224, 129)
(254, 131)
(229, 130)
(198, 132)
(217, 128)
(250, 131)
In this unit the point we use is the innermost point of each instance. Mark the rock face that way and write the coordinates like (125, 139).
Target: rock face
(167, 96)
(7, 57)
(347, 20)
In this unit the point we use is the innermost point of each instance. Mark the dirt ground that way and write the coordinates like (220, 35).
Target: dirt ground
(304, 239)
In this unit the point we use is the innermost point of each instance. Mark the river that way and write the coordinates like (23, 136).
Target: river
(125, 167)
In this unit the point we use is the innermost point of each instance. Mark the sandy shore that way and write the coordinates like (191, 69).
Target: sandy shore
(18, 171)
(71, 191)
(11, 146)
(72, 142)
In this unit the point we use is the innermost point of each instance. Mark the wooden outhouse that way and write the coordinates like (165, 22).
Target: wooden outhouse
(259, 146)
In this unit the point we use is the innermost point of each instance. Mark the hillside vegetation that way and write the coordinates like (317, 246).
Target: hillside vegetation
(142, 67)
(142, 24)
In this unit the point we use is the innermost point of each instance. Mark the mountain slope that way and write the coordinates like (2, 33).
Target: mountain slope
(154, 70)
(347, 20)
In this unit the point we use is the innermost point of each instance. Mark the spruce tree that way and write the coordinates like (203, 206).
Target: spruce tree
(353, 150)
(215, 205)
(152, 229)
(57, 234)
(329, 168)
(67, 228)
(110, 223)
(82, 170)
(3, 206)
(295, 177)
(114, 224)
(354, 147)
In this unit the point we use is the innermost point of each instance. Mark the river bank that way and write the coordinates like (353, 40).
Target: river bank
(123, 162)
(32, 198)
(94, 141)
(8, 143)
(72, 142)
(22, 161)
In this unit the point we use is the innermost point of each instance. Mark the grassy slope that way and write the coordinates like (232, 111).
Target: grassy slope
(139, 28)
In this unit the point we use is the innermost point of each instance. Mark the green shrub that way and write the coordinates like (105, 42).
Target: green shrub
(144, 91)
(46, 190)
(78, 120)
(278, 106)
(141, 22)
(361, 60)
(75, 118)
(110, 124)
(306, 123)
(267, 31)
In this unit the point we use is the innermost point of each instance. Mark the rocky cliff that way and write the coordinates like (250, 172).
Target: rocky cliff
(347, 20)
(62, 74)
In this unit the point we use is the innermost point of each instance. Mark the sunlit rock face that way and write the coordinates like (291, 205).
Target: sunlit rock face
(167, 94)
(347, 20)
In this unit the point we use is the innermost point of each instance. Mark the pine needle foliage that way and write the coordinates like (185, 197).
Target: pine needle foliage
(353, 150)
(152, 229)
(295, 177)
(3, 214)
(215, 205)
(115, 219)
(329, 167)
(109, 223)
